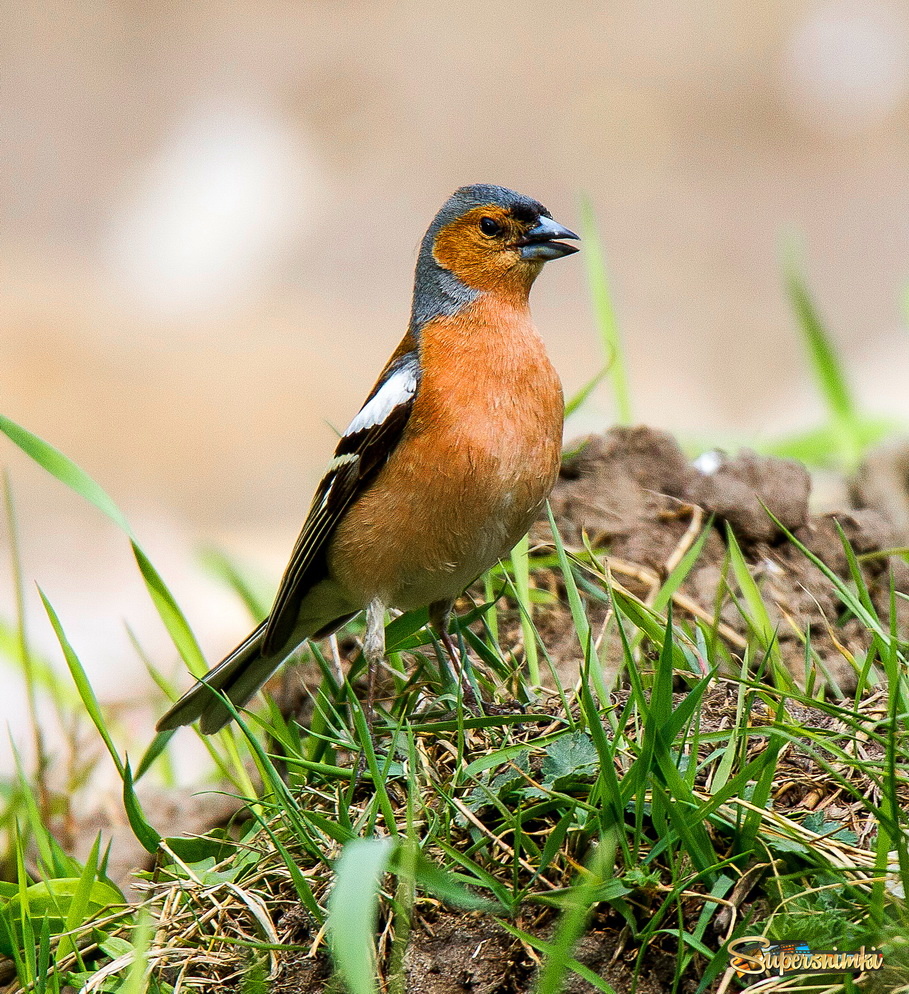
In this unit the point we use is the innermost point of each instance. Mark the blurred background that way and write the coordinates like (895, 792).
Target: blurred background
(209, 215)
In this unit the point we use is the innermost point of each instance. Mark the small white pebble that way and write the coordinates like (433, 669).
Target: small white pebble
(708, 462)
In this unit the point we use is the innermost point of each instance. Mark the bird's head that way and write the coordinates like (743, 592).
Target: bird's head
(489, 238)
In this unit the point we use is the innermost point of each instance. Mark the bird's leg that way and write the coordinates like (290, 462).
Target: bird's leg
(374, 652)
(439, 618)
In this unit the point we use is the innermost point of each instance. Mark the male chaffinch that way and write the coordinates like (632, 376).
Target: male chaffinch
(445, 466)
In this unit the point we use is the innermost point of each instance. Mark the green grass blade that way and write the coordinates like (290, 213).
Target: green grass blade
(604, 312)
(78, 910)
(24, 653)
(142, 830)
(578, 613)
(169, 611)
(815, 446)
(80, 678)
(757, 616)
(153, 751)
(848, 597)
(581, 900)
(444, 885)
(828, 370)
(574, 402)
(52, 860)
(136, 981)
(46, 676)
(648, 622)
(678, 575)
(520, 564)
(23, 935)
(764, 783)
(64, 469)
(353, 909)
(584, 972)
(220, 565)
(827, 367)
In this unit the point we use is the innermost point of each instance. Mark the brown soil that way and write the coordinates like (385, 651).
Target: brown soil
(452, 952)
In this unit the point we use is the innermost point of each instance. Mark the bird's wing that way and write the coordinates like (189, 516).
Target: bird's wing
(362, 452)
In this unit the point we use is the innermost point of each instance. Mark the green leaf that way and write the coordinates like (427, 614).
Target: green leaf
(194, 849)
(51, 900)
(779, 844)
(570, 755)
(815, 821)
(114, 946)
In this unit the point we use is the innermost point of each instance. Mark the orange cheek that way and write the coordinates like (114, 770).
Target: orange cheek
(464, 251)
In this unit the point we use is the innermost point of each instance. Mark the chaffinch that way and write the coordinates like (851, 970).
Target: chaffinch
(445, 466)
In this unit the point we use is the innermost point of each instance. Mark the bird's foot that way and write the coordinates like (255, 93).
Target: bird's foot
(480, 708)
(496, 709)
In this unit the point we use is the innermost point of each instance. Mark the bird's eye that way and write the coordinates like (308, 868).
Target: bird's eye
(490, 227)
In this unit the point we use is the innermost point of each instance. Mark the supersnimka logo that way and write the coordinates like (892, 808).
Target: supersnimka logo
(754, 956)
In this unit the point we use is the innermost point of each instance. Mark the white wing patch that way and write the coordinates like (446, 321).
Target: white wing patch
(398, 389)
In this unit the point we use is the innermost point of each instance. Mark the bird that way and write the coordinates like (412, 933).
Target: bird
(445, 466)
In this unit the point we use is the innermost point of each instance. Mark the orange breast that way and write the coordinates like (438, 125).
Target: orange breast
(477, 460)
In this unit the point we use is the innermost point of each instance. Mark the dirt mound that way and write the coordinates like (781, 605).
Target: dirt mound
(633, 493)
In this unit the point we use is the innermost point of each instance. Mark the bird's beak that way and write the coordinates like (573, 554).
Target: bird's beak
(540, 243)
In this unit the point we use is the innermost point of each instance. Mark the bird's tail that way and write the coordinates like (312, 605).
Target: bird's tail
(238, 677)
